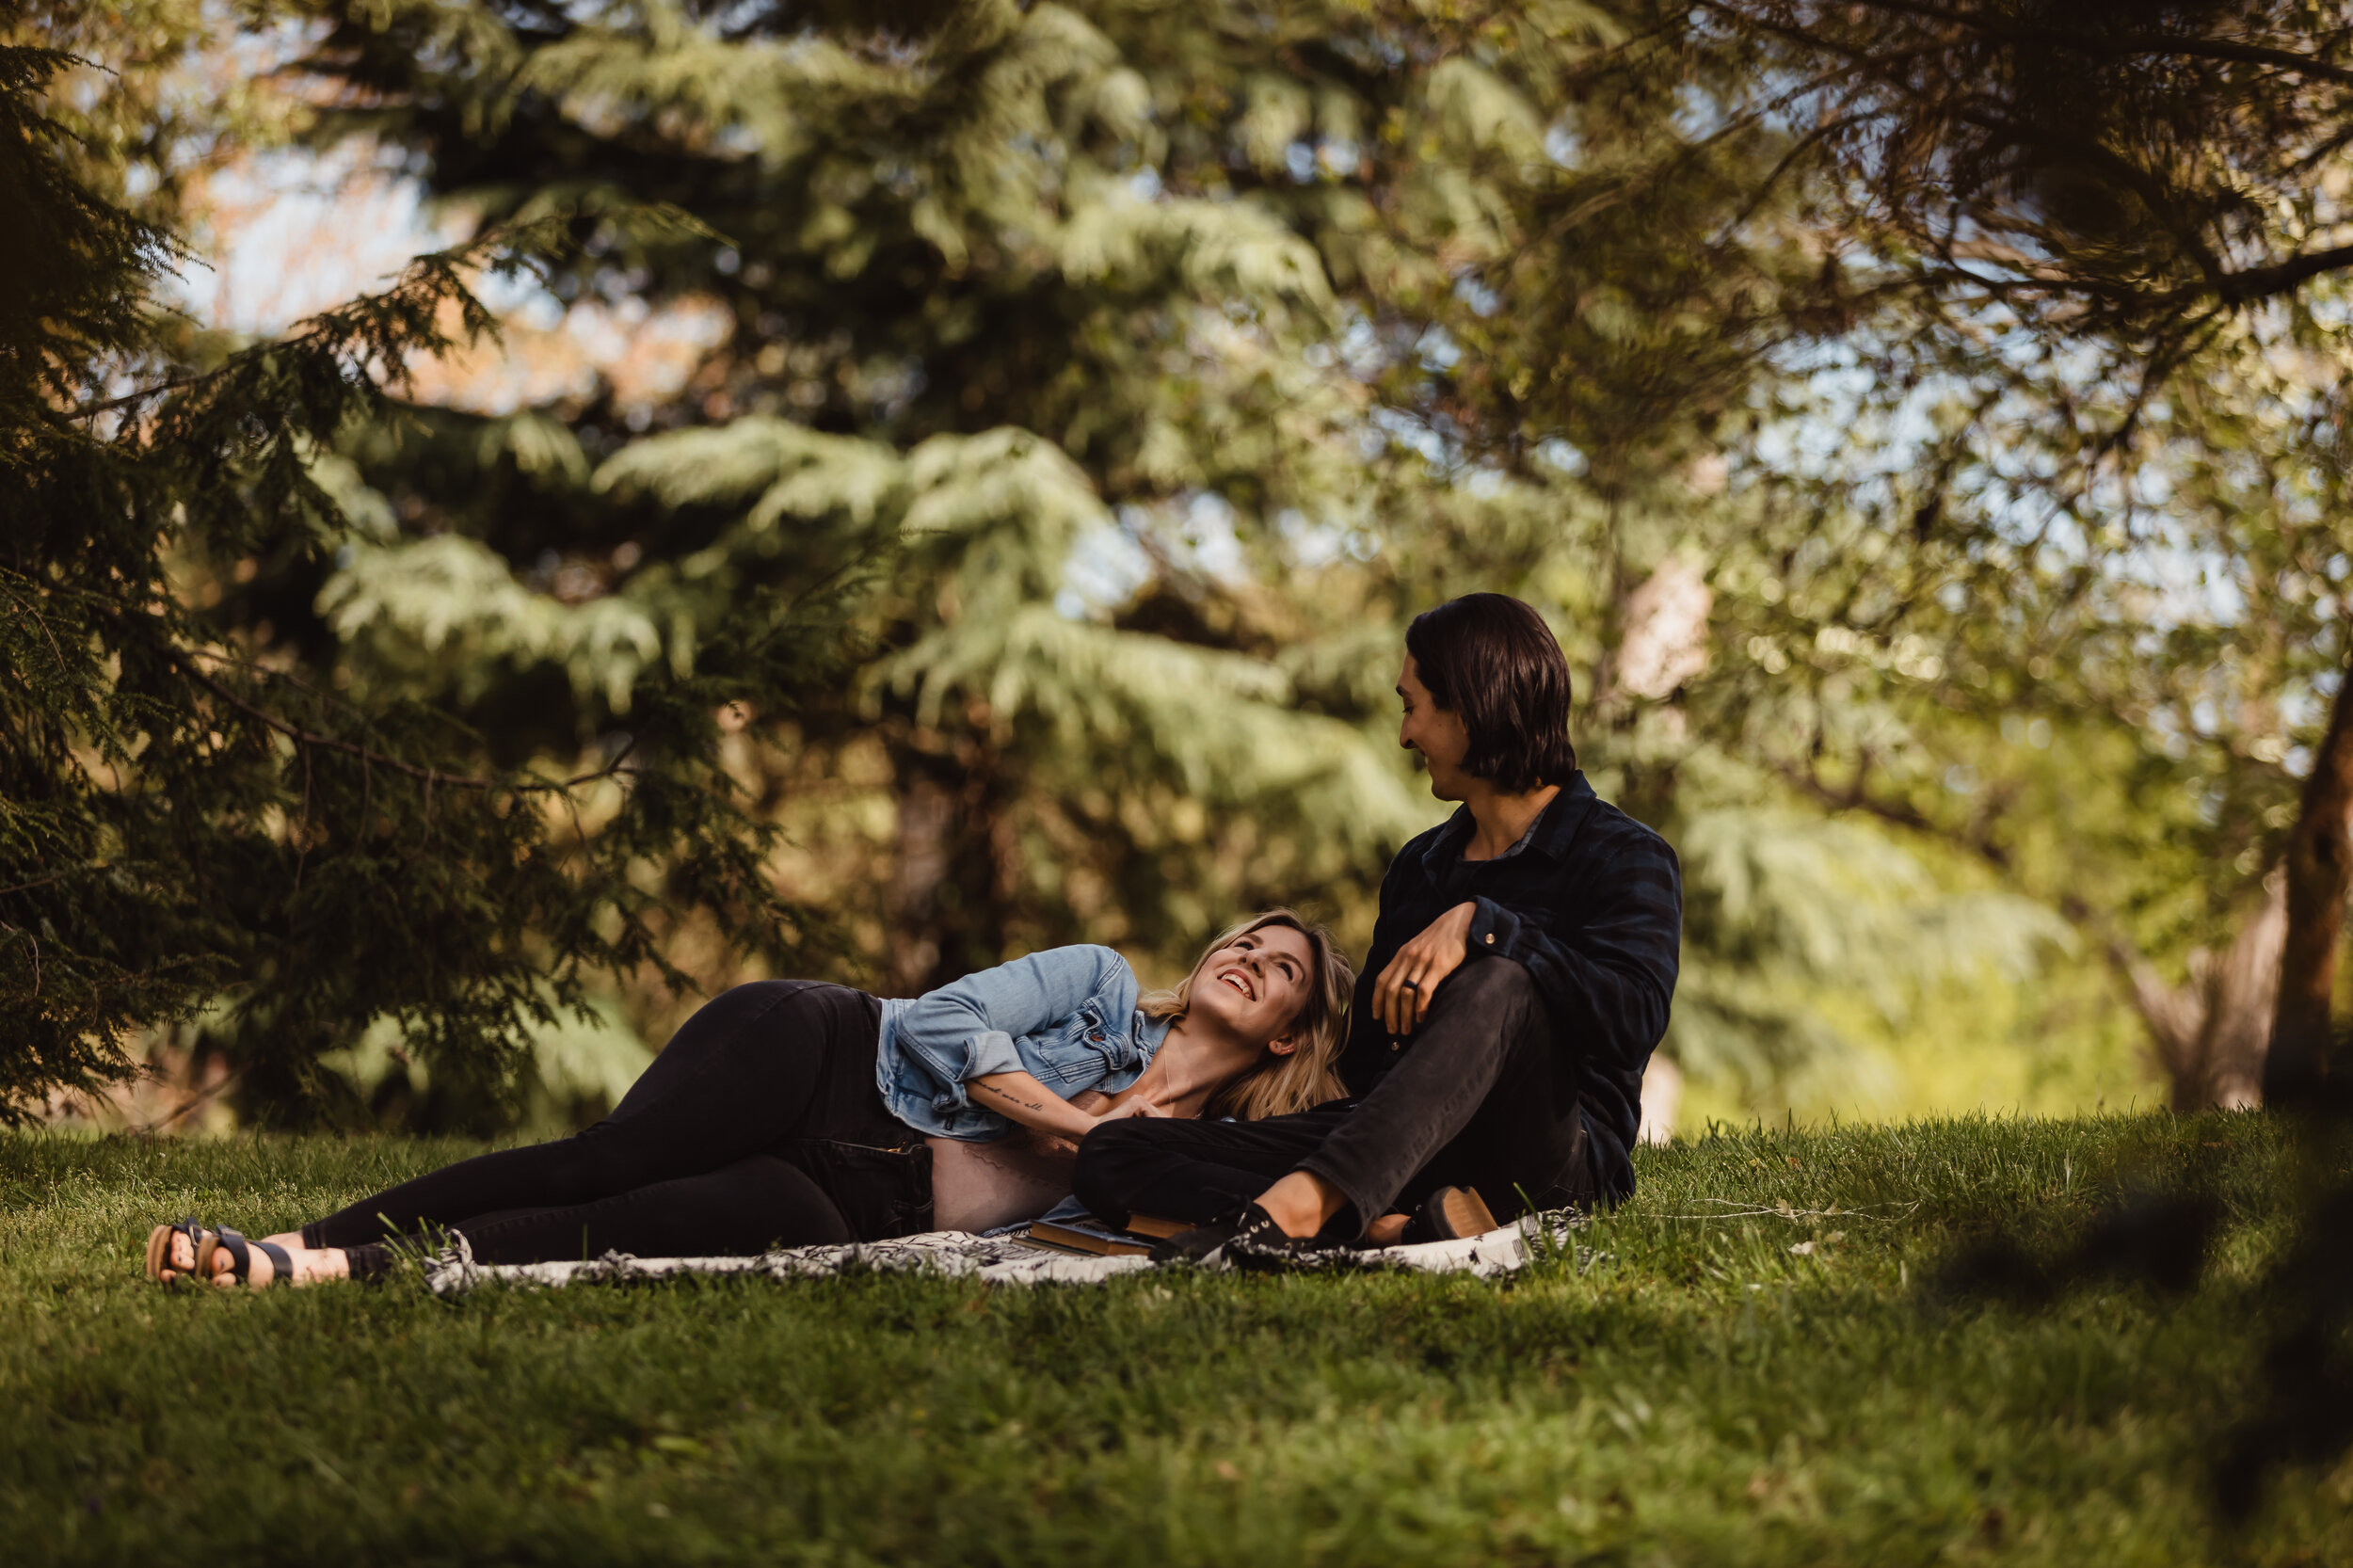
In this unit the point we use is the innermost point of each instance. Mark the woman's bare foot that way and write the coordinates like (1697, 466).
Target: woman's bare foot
(1387, 1230)
(310, 1264)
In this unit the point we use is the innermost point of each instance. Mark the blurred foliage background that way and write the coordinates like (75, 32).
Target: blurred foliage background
(996, 448)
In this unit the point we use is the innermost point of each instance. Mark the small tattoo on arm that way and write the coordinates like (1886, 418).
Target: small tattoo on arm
(1010, 1098)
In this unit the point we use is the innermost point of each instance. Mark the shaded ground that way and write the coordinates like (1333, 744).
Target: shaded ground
(1743, 1376)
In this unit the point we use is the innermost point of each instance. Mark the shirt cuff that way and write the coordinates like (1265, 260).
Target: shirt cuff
(1494, 929)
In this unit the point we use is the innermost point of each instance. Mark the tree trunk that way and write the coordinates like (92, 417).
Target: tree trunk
(927, 824)
(952, 889)
(2208, 1036)
(2320, 872)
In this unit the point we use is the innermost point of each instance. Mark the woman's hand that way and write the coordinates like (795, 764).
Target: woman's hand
(1401, 997)
(1097, 1109)
(1135, 1105)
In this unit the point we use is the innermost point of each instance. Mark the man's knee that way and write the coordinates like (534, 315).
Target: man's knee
(1488, 984)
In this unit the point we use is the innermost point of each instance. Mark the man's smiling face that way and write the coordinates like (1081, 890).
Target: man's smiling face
(1437, 733)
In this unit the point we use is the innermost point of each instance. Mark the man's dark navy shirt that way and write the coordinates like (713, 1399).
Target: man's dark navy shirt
(1590, 902)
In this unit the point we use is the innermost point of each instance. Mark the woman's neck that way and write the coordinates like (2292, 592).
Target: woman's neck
(1192, 1063)
(1500, 820)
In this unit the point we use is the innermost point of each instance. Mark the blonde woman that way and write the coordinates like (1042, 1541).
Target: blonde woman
(792, 1112)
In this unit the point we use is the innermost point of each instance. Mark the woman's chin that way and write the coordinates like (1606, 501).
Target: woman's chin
(1226, 1006)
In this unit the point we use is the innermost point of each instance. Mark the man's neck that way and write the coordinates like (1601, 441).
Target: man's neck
(1500, 821)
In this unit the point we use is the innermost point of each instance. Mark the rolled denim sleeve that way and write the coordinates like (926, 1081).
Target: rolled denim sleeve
(968, 1029)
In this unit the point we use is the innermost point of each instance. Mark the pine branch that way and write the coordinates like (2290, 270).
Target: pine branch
(400, 320)
(210, 1092)
(61, 875)
(423, 285)
(385, 759)
(2001, 29)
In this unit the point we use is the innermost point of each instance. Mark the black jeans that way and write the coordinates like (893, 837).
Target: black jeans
(1478, 1100)
(759, 1123)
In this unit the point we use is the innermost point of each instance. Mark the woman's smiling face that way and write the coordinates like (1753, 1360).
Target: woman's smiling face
(1256, 983)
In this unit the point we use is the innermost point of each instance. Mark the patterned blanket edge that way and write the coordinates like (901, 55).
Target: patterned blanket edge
(1005, 1261)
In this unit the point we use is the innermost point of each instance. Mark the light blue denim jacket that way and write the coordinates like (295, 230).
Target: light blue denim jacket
(1068, 1016)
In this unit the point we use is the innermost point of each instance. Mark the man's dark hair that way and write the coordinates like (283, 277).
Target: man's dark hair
(1491, 659)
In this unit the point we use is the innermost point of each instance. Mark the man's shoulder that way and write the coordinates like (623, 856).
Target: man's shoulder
(1611, 831)
(1624, 853)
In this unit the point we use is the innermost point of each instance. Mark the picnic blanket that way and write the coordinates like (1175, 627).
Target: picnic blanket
(1002, 1261)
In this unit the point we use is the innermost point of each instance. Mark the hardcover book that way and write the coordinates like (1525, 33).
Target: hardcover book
(1084, 1233)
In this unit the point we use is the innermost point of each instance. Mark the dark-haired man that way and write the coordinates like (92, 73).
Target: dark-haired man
(1521, 971)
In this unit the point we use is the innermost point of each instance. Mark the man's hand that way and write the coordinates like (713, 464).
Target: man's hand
(1051, 1145)
(1401, 997)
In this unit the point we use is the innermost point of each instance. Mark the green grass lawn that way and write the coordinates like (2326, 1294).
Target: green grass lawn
(1699, 1392)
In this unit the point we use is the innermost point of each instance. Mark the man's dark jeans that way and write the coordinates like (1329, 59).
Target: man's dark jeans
(1478, 1100)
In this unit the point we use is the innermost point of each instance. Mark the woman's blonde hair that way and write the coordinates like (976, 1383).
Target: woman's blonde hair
(1308, 1074)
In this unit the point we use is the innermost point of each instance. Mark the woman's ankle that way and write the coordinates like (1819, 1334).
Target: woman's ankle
(370, 1263)
(311, 1264)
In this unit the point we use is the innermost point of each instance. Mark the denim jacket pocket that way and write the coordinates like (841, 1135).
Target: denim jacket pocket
(1088, 1049)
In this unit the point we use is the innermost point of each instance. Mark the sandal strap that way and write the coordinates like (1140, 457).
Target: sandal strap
(240, 1260)
(205, 1241)
(205, 1238)
(159, 1260)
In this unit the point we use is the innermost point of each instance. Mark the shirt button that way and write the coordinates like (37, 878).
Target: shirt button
(1491, 939)
(1397, 1044)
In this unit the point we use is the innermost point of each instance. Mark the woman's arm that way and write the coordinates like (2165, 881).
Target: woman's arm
(963, 1032)
(1021, 1097)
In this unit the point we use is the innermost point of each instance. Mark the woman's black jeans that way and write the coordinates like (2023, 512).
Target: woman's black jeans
(759, 1124)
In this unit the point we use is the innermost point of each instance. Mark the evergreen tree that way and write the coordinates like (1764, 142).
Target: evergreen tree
(192, 813)
(1154, 367)
(1120, 381)
(1010, 290)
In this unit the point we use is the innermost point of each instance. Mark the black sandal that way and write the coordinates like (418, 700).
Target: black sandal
(208, 1242)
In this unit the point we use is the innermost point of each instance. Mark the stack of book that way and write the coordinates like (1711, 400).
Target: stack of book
(1084, 1233)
